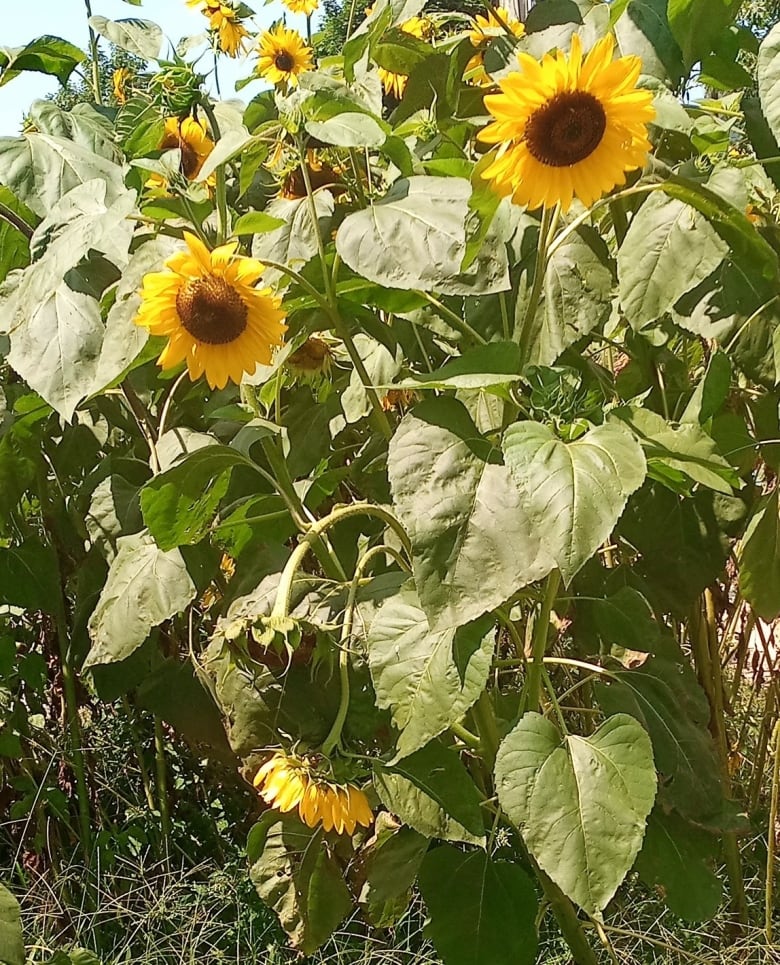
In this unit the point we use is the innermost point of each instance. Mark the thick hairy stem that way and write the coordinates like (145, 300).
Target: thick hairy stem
(541, 632)
(93, 50)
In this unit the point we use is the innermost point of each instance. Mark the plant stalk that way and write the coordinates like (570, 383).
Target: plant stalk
(533, 691)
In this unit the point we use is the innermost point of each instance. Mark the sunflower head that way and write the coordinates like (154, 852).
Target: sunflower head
(215, 320)
(497, 23)
(321, 175)
(567, 127)
(119, 81)
(283, 56)
(287, 781)
(306, 7)
(191, 139)
(311, 361)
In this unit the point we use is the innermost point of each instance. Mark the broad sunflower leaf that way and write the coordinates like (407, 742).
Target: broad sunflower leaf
(768, 74)
(82, 125)
(581, 802)
(668, 250)
(665, 697)
(497, 363)
(141, 37)
(642, 28)
(428, 679)
(14, 245)
(464, 514)
(145, 587)
(40, 169)
(759, 559)
(294, 874)
(11, 942)
(479, 910)
(29, 576)
(625, 619)
(574, 492)
(388, 867)
(679, 860)
(699, 24)
(44, 55)
(295, 241)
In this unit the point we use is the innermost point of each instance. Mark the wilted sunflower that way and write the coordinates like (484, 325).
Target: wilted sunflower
(119, 81)
(306, 7)
(224, 23)
(213, 316)
(286, 782)
(420, 27)
(566, 127)
(495, 24)
(190, 137)
(311, 360)
(283, 56)
(321, 174)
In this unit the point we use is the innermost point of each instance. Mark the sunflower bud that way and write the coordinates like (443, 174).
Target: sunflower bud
(176, 88)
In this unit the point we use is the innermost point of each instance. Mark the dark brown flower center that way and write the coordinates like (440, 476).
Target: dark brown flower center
(189, 158)
(567, 129)
(284, 62)
(211, 310)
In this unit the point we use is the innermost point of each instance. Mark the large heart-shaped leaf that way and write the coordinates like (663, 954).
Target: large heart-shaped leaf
(141, 37)
(575, 491)
(428, 679)
(465, 515)
(145, 586)
(480, 910)
(698, 24)
(768, 72)
(581, 802)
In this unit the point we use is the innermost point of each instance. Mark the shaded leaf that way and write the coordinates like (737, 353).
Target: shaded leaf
(11, 943)
(759, 558)
(768, 75)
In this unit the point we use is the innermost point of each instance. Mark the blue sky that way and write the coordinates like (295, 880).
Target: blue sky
(67, 19)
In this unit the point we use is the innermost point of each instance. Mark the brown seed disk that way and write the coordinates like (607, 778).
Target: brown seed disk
(284, 62)
(567, 129)
(211, 310)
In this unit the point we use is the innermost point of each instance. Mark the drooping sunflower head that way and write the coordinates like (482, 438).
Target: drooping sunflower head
(283, 56)
(497, 23)
(225, 24)
(287, 781)
(321, 174)
(306, 7)
(567, 127)
(119, 81)
(311, 360)
(213, 316)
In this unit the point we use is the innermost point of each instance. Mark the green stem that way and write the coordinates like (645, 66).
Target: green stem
(772, 837)
(455, 320)
(284, 591)
(380, 416)
(93, 49)
(15, 221)
(223, 232)
(485, 718)
(547, 229)
(161, 769)
(469, 739)
(539, 643)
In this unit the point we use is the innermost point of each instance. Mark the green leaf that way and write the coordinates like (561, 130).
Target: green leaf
(581, 802)
(145, 587)
(348, 129)
(427, 679)
(57, 332)
(141, 37)
(464, 515)
(668, 250)
(381, 366)
(679, 860)
(40, 169)
(759, 558)
(575, 492)
(389, 867)
(577, 297)
(479, 910)
(291, 867)
(11, 942)
(180, 504)
(82, 125)
(768, 75)
(29, 576)
(665, 697)
(400, 52)
(256, 222)
(44, 55)
(415, 237)
(643, 29)
(14, 246)
(759, 133)
(698, 25)
(625, 619)
(294, 242)
(497, 363)
(439, 772)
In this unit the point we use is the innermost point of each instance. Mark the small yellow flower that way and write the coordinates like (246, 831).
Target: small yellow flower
(190, 137)
(421, 27)
(306, 7)
(567, 127)
(495, 24)
(214, 318)
(286, 782)
(283, 56)
(120, 79)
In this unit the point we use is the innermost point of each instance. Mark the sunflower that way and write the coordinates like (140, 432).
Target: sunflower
(214, 317)
(283, 56)
(321, 174)
(567, 128)
(190, 137)
(420, 27)
(120, 79)
(286, 782)
(306, 7)
(224, 23)
(311, 360)
(495, 24)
